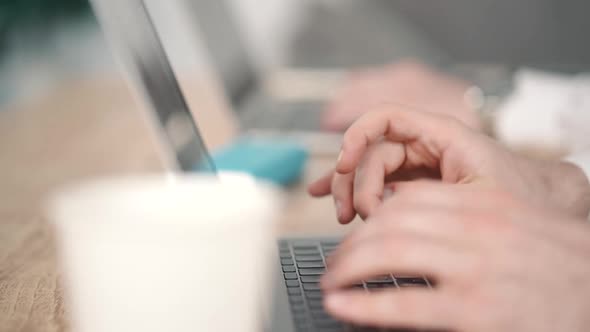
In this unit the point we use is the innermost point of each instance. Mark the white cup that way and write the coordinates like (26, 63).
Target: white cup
(189, 253)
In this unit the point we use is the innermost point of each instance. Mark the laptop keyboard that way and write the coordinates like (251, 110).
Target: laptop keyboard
(303, 263)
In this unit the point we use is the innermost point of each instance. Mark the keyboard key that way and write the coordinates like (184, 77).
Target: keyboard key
(306, 265)
(404, 285)
(380, 280)
(312, 272)
(368, 329)
(285, 254)
(291, 276)
(298, 308)
(300, 317)
(283, 244)
(307, 252)
(326, 322)
(315, 303)
(410, 278)
(320, 314)
(287, 261)
(289, 269)
(294, 291)
(292, 283)
(383, 284)
(296, 299)
(409, 282)
(379, 286)
(305, 247)
(311, 278)
(309, 258)
(302, 327)
(314, 295)
(333, 329)
(311, 286)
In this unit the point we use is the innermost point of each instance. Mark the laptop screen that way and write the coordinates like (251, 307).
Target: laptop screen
(227, 49)
(135, 42)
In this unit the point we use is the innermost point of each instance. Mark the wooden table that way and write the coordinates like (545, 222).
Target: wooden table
(82, 130)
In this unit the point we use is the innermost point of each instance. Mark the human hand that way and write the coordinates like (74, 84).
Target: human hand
(407, 82)
(393, 140)
(497, 264)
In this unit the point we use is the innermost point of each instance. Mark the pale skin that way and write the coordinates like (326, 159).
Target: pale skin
(498, 264)
(393, 141)
(502, 236)
(406, 82)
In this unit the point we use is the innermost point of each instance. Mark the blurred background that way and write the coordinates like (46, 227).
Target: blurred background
(515, 69)
(45, 42)
(64, 98)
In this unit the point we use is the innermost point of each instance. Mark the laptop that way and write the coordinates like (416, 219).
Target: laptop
(300, 262)
(241, 81)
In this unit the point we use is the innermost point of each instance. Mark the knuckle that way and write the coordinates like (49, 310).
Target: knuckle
(498, 221)
(349, 142)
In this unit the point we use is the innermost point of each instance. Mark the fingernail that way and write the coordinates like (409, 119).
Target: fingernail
(339, 157)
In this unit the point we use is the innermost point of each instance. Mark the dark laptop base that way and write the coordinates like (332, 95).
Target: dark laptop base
(298, 298)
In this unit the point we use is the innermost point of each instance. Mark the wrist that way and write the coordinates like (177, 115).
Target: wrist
(569, 187)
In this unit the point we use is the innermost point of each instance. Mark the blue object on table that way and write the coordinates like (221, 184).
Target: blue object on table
(276, 161)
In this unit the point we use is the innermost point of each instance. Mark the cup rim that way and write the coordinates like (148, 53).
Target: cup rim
(182, 196)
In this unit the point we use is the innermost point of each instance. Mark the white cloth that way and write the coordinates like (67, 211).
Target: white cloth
(551, 110)
(546, 110)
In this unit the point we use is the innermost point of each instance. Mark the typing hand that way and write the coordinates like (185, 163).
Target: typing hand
(383, 146)
(497, 264)
(407, 82)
